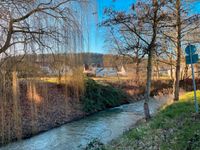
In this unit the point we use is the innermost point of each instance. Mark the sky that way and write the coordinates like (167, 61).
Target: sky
(97, 34)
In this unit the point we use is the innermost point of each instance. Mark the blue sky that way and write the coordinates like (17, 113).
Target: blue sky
(97, 34)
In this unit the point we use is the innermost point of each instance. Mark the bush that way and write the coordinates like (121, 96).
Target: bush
(95, 145)
(161, 86)
(98, 96)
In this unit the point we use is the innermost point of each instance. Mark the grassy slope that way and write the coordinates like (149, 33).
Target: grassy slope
(176, 127)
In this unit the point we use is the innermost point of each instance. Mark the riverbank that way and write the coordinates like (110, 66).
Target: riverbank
(104, 125)
(176, 127)
(43, 106)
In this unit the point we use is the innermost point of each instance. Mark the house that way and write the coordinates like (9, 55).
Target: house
(106, 72)
(98, 71)
(89, 71)
(122, 72)
(51, 70)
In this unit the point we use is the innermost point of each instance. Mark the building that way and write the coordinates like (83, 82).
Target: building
(99, 71)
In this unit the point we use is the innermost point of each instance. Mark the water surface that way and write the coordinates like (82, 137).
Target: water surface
(106, 126)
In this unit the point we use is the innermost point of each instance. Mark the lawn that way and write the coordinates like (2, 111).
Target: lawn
(175, 127)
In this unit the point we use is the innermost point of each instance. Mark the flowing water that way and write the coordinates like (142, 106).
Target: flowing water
(105, 126)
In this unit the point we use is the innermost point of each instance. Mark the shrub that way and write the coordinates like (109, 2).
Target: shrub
(95, 145)
(98, 96)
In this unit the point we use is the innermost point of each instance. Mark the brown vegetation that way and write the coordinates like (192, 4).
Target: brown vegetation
(42, 106)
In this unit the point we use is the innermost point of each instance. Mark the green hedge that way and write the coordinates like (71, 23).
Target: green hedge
(98, 96)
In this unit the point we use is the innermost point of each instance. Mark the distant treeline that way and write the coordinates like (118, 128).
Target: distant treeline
(69, 58)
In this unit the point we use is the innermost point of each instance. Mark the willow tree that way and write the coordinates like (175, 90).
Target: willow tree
(41, 27)
(32, 27)
(37, 22)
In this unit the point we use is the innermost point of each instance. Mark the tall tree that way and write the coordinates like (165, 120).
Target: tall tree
(127, 45)
(144, 23)
(178, 53)
(181, 23)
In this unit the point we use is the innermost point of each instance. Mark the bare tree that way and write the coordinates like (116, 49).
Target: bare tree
(180, 24)
(143, 23)
(127, 45)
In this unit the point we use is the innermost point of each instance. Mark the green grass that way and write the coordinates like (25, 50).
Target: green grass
(175, 127)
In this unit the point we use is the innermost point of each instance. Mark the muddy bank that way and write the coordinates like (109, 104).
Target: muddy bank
(41, 106)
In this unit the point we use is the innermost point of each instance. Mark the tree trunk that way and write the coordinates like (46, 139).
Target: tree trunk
(178, 60)
(147, 111)
(196, 69)
(185, 77)
(171, 73)
(59, 77)
(186, 72)
(157, 70)
(171, 68)
(151, 49)
(137, 71)
(149, 74)
(148, 85)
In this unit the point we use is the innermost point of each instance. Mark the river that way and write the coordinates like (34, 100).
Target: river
(105, 126)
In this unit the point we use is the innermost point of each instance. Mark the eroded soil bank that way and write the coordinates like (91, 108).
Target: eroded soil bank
(43, 106)
(105, 125)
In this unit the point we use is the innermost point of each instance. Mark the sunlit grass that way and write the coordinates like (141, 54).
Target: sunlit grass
(49, 79)
(113, 79)
(190, 96)
(64, 79)
(126, 78)
(107, 79)
(53, 79)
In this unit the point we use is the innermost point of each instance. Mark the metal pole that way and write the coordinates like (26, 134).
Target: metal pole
(194, 84)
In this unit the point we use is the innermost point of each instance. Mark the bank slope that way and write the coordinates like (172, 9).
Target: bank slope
(175, 127)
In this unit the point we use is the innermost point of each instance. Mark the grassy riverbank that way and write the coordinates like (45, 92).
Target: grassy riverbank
(175, 127)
